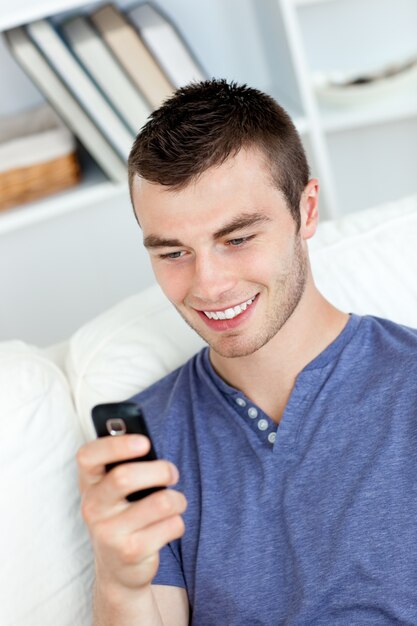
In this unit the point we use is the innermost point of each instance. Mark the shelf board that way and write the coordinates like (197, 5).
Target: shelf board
(379, 111)
(22, 11)
(92, 189)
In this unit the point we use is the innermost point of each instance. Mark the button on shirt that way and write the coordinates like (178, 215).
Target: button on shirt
(310, 523)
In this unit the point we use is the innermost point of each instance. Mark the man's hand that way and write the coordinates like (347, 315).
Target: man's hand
(127, 536)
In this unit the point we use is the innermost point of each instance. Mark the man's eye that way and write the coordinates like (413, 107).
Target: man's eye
(172, 255)
(239, 241)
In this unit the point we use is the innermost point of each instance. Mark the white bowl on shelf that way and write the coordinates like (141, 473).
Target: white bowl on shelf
(344, 89)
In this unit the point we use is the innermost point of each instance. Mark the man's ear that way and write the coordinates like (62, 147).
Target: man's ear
(309, 212)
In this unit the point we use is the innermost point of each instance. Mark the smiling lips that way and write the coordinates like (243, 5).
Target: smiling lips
(228, 314)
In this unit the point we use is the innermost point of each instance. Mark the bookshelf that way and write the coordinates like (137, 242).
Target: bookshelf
(275, 45)
(93, 189)
(358, 36)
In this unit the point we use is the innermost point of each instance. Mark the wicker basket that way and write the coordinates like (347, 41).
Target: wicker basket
(37, 157)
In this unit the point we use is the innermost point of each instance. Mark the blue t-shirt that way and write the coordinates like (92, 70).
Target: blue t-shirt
(314, 521)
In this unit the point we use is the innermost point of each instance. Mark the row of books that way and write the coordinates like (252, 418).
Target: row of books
(104, 72)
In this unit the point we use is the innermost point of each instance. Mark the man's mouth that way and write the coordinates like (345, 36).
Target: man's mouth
(231, 312)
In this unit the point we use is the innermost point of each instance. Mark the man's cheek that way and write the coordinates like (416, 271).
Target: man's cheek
(172, 285)
(162, 277)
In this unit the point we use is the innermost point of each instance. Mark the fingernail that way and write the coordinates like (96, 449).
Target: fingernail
(137, 443)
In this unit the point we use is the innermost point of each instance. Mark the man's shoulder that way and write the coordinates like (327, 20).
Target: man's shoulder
(388, 342)
(388, 331)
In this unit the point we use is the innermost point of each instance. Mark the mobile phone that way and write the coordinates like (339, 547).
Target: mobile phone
(119, 418)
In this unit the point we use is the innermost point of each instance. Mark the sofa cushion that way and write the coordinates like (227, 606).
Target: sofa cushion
(125, 349)
(46, 568)
(364, 263)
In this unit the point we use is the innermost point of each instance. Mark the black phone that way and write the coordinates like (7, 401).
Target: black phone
(119, 418)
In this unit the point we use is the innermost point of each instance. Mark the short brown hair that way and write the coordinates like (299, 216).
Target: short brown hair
(204, 123)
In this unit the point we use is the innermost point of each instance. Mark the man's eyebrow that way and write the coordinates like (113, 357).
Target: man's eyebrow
(153, 241)
(240, 221)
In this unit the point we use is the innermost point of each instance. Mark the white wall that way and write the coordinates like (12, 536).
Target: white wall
(54, 279)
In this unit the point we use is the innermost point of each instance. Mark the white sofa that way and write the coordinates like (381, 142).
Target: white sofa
(365, 262)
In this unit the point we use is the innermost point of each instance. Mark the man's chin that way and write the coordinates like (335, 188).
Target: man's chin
(230, 345)
(235, 347)
(233, 353)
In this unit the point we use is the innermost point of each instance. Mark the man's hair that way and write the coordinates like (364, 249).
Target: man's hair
(204, 123)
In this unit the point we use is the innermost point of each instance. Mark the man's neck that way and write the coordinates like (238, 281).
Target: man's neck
(268, 375)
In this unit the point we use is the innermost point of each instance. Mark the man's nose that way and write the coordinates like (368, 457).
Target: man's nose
(212, 279)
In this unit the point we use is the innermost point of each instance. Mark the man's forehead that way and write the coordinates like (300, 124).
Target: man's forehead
(143, 190)
(249, 161)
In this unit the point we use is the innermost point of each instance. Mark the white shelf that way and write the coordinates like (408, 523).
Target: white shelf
(92, 189)
(397, 107)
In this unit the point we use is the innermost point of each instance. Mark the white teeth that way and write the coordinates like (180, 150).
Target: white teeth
(229, 313)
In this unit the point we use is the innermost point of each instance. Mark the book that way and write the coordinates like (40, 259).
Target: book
(96, 58)
(66, 105)
(43, 33)
(166, 44)
(133, 55)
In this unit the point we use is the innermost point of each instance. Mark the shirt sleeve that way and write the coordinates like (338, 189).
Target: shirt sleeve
(170, 570)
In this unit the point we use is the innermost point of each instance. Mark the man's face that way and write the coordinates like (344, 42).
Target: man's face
(225, 252)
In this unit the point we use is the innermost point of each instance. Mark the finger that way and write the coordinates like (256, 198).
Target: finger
(94, 455)
(108, 497)
(146, 512)
(135, 548)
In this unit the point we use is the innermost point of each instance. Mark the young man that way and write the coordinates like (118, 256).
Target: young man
(294, 431)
